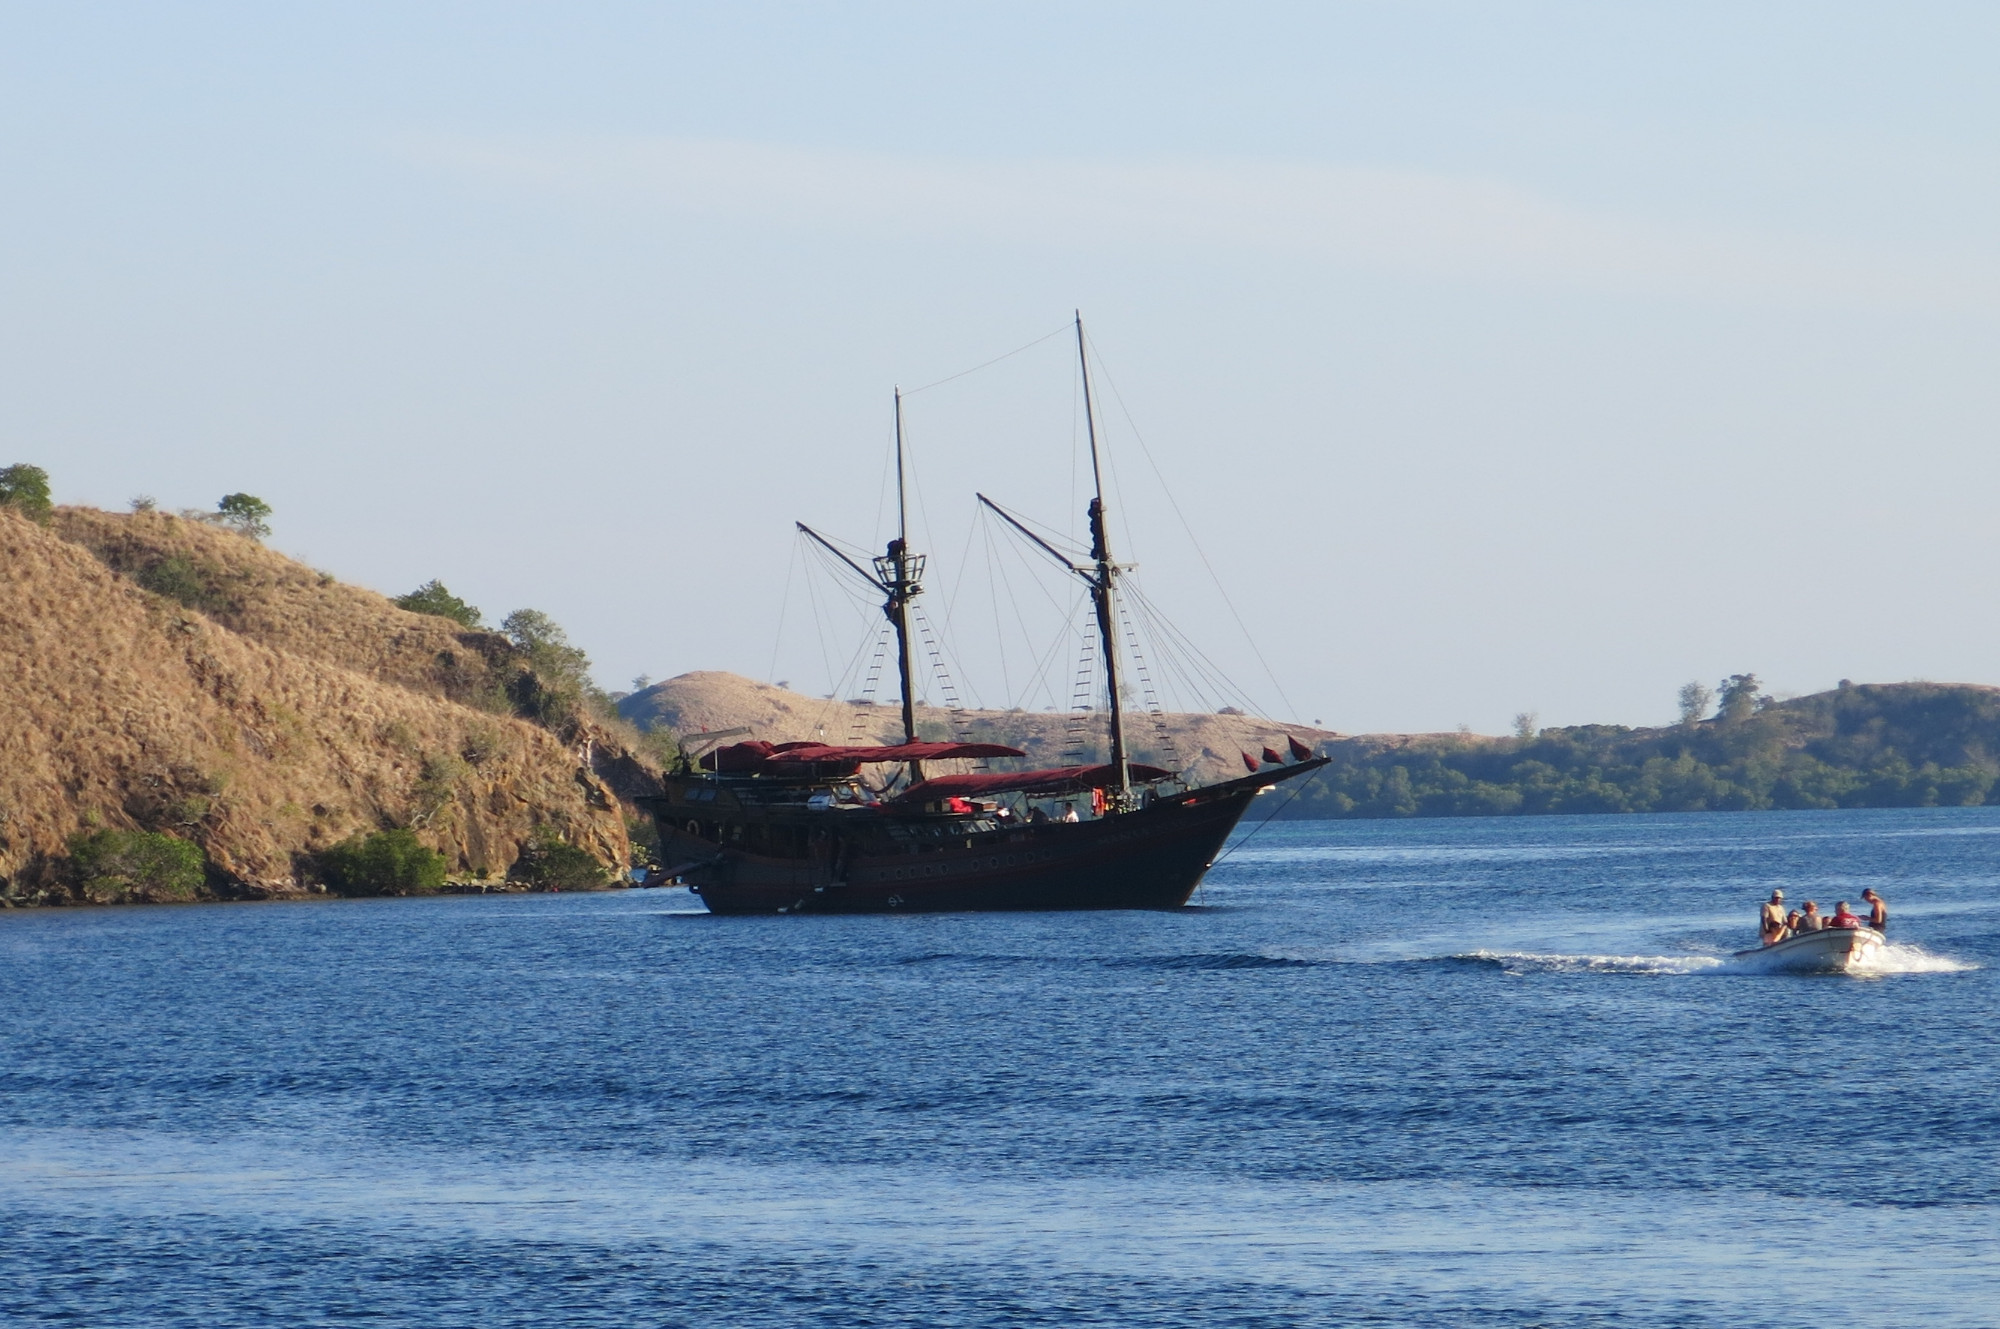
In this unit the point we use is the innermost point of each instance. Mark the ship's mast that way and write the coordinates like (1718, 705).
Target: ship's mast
(898, 575)
(902, 586)
(1101, 592)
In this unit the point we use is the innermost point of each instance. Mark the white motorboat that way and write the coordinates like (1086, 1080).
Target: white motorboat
(1826, 951)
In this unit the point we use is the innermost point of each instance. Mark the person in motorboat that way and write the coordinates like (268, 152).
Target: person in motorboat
(1771, 927)
(1811, 920)
(1843, 917)
(1878, 910)
(1792, 921)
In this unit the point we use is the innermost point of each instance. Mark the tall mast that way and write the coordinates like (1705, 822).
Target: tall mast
(902, 587)
(1100, 585)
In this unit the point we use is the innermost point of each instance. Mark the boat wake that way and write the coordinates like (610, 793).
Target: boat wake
(1891, 958)
(1529, 962)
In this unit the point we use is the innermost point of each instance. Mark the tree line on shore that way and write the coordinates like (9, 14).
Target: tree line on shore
(1871, 745)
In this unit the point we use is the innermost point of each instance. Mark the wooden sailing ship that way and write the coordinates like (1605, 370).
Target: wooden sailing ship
(758, 828)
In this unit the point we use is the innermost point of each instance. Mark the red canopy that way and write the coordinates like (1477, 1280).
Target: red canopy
(1060, 780)
(892, 752)
(756, 755)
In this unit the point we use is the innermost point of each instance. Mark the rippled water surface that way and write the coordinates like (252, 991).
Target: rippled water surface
(1480, 1073)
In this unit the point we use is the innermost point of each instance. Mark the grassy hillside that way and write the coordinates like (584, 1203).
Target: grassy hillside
(258, 593)
(1872, 745)
(170, 677)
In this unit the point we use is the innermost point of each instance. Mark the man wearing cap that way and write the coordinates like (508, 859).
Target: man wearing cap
(1771, 919)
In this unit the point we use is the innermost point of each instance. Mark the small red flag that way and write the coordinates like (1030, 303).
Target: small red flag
(1249, 762)
(1299, 750)
(1271, 758)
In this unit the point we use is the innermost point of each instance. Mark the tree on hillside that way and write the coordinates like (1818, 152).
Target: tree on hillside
(1696, 698)
(1739, 698)
(1526, 724)
(557, 685)
(246, 514)
(433, 598)
(546, 645)
(25, 488)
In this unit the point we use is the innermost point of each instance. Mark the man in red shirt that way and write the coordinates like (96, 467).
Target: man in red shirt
(1844, 917)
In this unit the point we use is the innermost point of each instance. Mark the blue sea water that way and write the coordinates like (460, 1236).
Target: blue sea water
(1460, 1073)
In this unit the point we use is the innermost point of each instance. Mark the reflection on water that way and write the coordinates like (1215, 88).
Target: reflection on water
(1452, 1073)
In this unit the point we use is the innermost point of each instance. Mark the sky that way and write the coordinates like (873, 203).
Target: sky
(1454, 360)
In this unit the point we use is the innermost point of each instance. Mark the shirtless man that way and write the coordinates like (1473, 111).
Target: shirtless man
(1771, 919)
(1878, 910)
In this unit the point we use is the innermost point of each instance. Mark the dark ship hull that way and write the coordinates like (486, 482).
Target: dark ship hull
(867, 860)
(782, 828)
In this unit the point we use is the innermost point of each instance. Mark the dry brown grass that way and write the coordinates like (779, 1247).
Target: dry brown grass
(285, 604)
(302, 712)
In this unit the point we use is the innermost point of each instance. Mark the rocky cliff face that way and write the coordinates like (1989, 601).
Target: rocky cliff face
(260, 709)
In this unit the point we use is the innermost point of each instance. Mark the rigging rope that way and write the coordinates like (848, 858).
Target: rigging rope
(1075, 748)
(949, 378)
(1258, 828)
(1189, 528)
(1169, 754)
(858, 729)
(784, 603)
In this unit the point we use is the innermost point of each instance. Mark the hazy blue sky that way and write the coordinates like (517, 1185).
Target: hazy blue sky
(1501, 357)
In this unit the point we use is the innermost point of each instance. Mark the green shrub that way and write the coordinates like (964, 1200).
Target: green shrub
(384, 863)
(555, 690)
(548, 863)
(481, 744)
(25, 488)
(191, 581)
(111, 867)
(551, 703)
(438, 781)
(433, 598)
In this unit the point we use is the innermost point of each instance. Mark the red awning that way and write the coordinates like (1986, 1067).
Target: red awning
(756, 755)
(893, 752)
(737, 758)
(1061, 780)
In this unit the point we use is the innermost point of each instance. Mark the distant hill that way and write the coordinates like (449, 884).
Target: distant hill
(1210, 746)
(169, 676)
(1868, 745)
(1871, 745)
